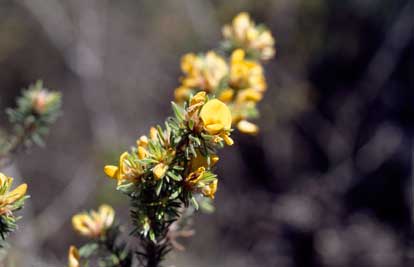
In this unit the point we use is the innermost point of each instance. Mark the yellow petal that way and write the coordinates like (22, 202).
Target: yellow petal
(142, 141)
(237, 55)
(153, 134)
(200, 97)
(122, 165)
(210, 190)
(249, 95)
(214, 160)
(107, 215)
(228, 140)
(214, 128)
(159, 170)
(226, 95)
(182, 93)
(73, 257)
(111, 171)
(247, 127)
(16, 194)
(216, 116)
(3, 179)
(187, 62)
(194, 177)
(142, 152)
(83, 224)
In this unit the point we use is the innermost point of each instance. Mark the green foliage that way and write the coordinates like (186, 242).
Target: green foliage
(8, 222)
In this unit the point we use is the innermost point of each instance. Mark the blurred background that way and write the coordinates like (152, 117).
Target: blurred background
(325, 183)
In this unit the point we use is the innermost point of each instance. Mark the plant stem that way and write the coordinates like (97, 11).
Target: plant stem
(15, 144)
(153, 254)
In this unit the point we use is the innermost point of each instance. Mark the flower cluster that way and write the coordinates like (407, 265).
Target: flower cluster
(10, 201)
(36, 111)
(95, 223)
(99, 227)
(182, 149)
(238, 81)
(257, 40)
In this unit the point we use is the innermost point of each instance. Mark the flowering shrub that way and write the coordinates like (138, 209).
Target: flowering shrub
(170, 171)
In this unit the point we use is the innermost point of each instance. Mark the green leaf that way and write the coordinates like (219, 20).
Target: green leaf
(194, 202)
(175, 177)
(159, 187)
(191, 124)
(88, 250)
(178, 111)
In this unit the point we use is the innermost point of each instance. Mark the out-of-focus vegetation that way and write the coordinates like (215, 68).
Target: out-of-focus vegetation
(325, 183)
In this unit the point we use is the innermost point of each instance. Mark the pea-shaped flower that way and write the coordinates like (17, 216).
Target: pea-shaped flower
(216, 117)
(94, 224)
(9, 199)
(202, 181)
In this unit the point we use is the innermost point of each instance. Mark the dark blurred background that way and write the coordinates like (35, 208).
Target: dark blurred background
(327, 182)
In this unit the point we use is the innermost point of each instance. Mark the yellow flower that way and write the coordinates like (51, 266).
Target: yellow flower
(204, 72)
(194, 177)
(202, 161)
(73, 257)
(182, 93)
(142, 141)
(95, 223)
(153, 134)
(249, 95)
(246, 73)
(124, 171)
(226, 95)
(199, 98)
(216, 117)
(210, 189)
(142, 152)
(8, 198)
(197, 182)
(247, 127)
(243, 33)
(159, 170)
(195, 104)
